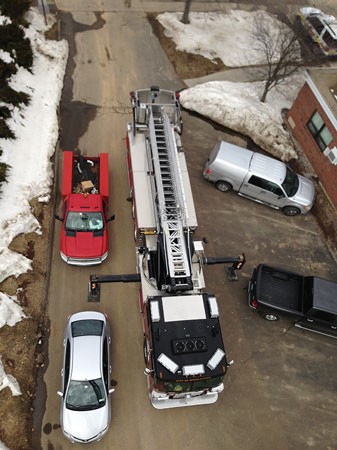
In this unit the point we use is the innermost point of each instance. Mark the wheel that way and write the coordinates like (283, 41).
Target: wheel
(223, 186)
(271, 317)
(291, 211)
(146, 349)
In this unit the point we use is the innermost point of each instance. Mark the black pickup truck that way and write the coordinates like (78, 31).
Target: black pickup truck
(312, 301)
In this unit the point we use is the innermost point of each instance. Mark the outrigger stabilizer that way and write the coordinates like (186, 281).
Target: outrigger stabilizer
(96, 280)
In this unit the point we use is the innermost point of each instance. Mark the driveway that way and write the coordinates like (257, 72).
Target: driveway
(281, 391)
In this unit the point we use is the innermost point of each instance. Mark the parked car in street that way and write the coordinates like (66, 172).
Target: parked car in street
(260, 178)
(85, 409)
(322, 28)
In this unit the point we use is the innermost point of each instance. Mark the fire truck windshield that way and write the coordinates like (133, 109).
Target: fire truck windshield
(84, 221)
(189, 386)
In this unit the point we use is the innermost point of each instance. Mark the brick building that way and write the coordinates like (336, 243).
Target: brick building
(313, 120)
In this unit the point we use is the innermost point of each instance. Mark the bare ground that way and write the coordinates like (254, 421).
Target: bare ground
(20, 346)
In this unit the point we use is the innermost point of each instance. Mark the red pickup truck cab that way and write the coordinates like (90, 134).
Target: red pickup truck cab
(85, 192)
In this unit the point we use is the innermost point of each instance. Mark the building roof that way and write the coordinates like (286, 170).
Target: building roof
(323, 83)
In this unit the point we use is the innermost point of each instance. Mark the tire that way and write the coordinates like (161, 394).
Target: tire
(223, 186)
(270, 317)
(146, 350)
(291, 211)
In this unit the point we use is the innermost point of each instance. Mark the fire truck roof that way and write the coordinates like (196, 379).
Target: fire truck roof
(186, 337)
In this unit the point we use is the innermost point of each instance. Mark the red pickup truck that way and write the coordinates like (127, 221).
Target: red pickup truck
(85, 193)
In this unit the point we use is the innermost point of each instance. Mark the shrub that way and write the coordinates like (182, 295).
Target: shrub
(5, 131)
(12, 40)
(9, 95)
(15, 9)
(6, 71)
(3, 172)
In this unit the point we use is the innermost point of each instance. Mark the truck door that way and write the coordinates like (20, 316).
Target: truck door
(320, 321)
(262, 190)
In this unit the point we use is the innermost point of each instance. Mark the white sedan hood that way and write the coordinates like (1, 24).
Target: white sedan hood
(85, 425)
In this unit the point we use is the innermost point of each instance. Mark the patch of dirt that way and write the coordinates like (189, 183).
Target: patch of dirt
(52, 33)
(20, 346)
(185, 64)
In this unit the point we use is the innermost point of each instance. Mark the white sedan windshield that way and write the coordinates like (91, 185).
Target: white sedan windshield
(85, 395)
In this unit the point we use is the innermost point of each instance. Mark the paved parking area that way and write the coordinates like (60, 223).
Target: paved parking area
(282, 387)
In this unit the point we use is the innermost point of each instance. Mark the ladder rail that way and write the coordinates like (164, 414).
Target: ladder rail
(153, 195)
(169, 199)
(176, 170)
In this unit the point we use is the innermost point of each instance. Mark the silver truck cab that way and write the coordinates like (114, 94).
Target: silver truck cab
(260, 178)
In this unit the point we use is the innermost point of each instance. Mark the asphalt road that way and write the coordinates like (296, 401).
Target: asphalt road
(281, 391)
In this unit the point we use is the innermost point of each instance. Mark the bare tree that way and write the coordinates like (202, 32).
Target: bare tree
(185, 18)
(281, 52)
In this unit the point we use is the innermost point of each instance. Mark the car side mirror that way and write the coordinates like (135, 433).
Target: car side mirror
(111, 390)
(111, 218)
(60, 393)
(58, 217)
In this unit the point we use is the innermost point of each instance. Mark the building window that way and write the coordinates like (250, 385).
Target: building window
(319, 131)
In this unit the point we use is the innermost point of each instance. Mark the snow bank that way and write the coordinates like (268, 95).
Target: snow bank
(6, 57)
(3, 446)
(10, 311)
(8, 381)
(227, 36)
(237, 106)
(36, 130)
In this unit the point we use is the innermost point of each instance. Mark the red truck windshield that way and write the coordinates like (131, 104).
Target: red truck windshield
(84, 221)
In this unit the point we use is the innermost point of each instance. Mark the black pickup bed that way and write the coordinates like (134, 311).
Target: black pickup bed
(279, 289)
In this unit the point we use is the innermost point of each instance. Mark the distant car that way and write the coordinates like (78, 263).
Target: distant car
(322, 28)
(85, 409)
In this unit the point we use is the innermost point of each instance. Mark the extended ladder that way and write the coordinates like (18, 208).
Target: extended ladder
(170, 196)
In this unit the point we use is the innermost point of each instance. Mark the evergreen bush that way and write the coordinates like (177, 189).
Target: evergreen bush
(15, 9)
(12, 40)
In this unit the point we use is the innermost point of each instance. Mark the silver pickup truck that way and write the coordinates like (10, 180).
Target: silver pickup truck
(260, 178)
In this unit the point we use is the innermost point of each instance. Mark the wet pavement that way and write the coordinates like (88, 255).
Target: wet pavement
(281, 391)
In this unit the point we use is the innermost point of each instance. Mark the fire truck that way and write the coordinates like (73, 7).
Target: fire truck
(85, 192)
(185, 358)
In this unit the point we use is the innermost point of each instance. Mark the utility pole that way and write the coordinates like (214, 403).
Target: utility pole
(44, 8)
(185, 18)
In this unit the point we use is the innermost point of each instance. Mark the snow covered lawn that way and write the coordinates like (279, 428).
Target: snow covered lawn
(30, 174)
(235, 105)
(227, 36)
(36, 130)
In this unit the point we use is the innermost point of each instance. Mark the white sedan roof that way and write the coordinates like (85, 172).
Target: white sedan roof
(86, 364)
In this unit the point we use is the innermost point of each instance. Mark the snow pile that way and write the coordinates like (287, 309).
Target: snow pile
(2, 446)
(36, 130)
(237, 106)
(8, 381)
(6, 57)
(219, 35)
(10, 311)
